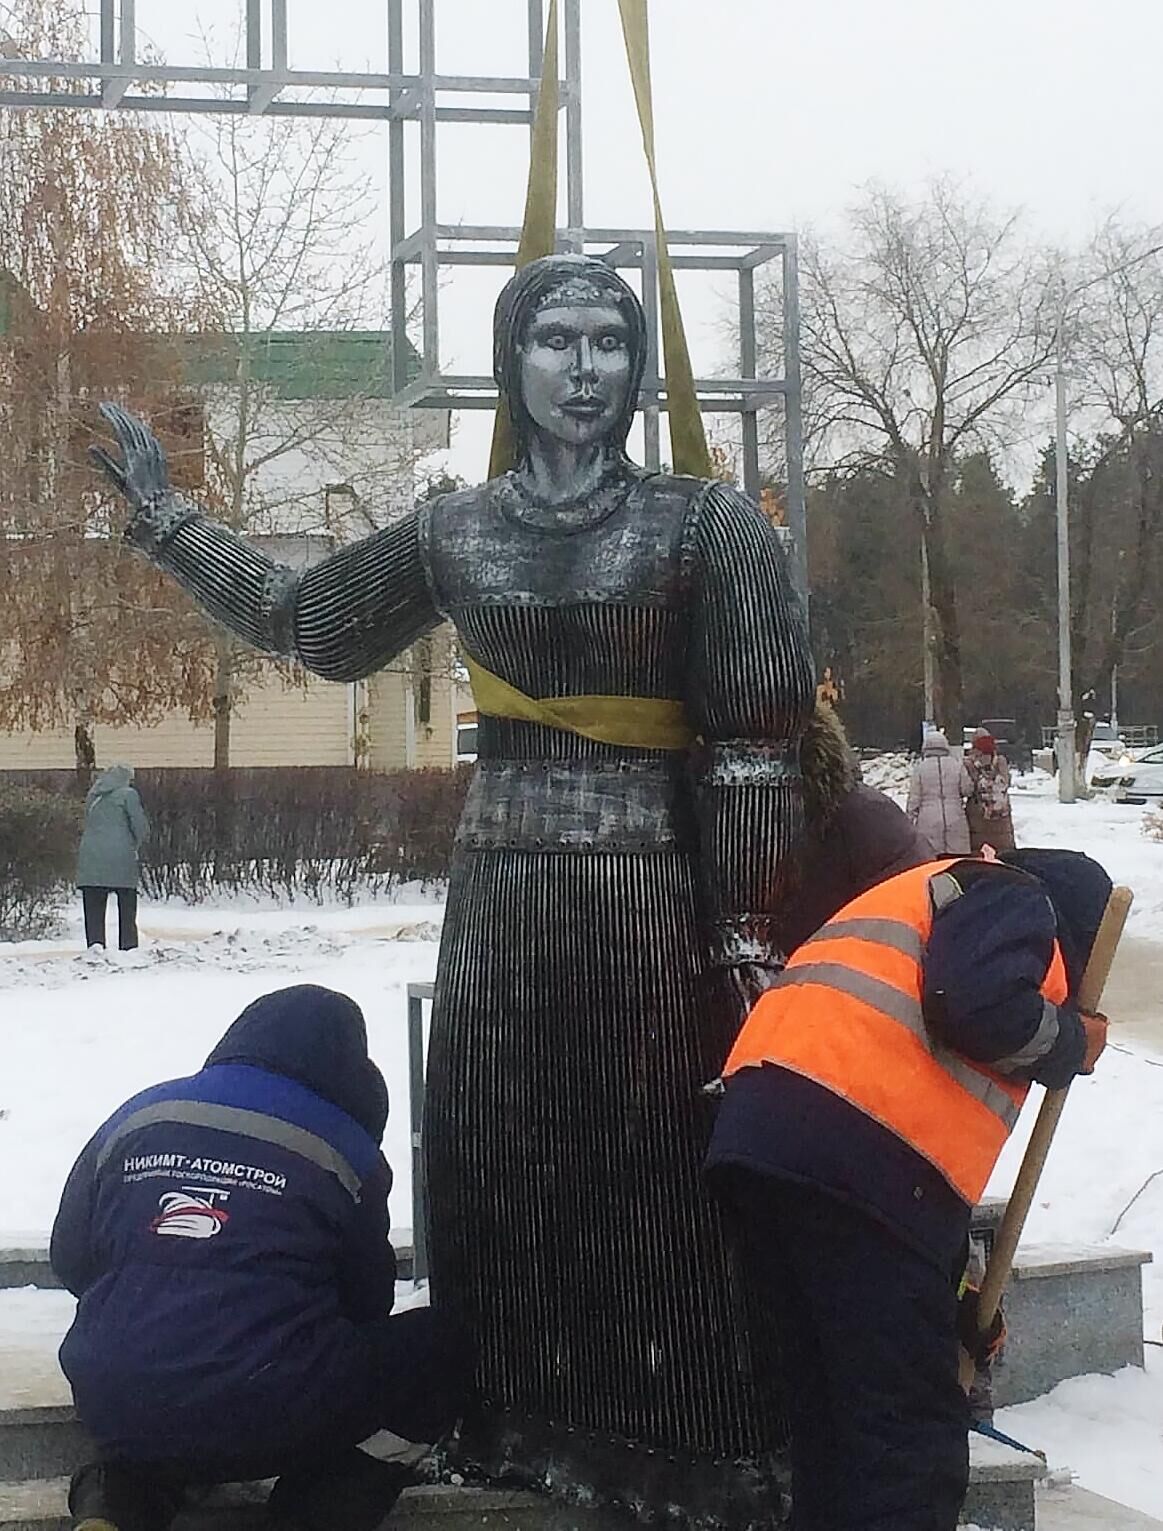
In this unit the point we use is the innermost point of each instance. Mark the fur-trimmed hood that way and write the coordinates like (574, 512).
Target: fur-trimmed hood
(829, 767)
(854, 836)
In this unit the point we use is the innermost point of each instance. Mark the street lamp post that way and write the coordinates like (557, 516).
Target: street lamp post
(1067, 758)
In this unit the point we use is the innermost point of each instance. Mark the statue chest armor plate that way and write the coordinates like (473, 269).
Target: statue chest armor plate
(593, 600)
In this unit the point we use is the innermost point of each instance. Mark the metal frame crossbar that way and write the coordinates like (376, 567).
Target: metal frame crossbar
(122, 80)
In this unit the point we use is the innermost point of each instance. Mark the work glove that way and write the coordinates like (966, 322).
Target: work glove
(982, 1348)
(1095, 1025)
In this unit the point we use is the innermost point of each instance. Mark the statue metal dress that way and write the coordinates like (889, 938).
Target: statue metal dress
(608, 901)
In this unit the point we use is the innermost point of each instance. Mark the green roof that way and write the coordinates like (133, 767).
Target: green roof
(312, 364)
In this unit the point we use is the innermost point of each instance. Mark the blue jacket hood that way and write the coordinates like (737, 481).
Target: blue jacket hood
(1078, 888)
(317, 1037)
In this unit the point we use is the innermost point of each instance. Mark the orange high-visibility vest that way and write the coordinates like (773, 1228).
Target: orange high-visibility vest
(847, 1012)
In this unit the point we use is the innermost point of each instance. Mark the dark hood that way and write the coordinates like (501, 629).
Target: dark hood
(317, 1037)
(854, 836)
(864, 840)
(519, 300)
(1079, 889)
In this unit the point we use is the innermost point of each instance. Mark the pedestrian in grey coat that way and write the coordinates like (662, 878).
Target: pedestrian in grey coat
(109, 859)
(937, 794)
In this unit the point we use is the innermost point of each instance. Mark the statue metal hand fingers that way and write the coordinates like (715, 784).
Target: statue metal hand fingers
(109, 465)
(142, 475)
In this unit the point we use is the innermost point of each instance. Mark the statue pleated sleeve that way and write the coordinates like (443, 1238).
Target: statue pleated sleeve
(751, 692)
(342, 618)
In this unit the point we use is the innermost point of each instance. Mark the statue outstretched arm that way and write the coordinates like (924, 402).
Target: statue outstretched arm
(342, 618)
(751, 692)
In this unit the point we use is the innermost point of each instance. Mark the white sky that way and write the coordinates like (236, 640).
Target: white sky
(770, 115)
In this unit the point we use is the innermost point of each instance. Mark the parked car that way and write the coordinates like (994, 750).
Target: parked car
(1108, 741)
(1006, 737)
(1136, 778)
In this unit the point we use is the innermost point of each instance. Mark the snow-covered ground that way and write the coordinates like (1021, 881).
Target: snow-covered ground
(80, 1032)
(1107, 1430)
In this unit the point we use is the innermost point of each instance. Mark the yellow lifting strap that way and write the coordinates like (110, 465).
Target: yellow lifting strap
(539, 237)
(688, 444)
(628, 721)
(539, 228)
(636, 722)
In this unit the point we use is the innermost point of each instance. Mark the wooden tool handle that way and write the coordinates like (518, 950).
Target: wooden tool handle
(1021, 1198)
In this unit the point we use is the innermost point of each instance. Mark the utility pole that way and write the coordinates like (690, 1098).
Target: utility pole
(1067, 774)
(927, 637)
(1114, 641)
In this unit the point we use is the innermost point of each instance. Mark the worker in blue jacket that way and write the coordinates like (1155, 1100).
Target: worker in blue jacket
(227, 1238)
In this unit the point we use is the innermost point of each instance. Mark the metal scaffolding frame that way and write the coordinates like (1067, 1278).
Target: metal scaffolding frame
(268, 87)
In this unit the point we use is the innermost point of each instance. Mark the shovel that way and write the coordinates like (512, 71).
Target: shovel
(1005, 1243)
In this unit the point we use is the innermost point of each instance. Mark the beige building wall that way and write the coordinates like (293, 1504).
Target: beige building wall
(276, 725)
(389, 702)
(399, 737)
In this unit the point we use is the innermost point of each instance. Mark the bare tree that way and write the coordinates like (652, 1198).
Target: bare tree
(1114, 333)
(924, 336)
(89, 211)
(300, 440)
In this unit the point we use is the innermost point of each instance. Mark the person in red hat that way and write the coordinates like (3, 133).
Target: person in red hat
(987, 808)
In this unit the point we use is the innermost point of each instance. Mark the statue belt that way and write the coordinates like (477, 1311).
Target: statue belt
(635, 722)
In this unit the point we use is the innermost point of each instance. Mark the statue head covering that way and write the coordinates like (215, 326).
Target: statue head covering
(565, 280)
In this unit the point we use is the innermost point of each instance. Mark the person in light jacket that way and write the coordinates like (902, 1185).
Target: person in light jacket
(109, 859)
(937, 794)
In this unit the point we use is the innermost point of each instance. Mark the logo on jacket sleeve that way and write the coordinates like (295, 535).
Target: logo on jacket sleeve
(190, 1214)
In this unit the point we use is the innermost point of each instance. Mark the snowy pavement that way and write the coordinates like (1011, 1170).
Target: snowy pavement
(1107, 1430)
(80, 1032)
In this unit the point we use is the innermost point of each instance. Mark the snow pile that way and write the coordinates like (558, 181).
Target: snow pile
(888, 773)
(1108, 1430)
(236, 951)
(1110, 832)
(1098, 764)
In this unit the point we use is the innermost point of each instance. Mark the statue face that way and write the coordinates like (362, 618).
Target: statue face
(575, 371)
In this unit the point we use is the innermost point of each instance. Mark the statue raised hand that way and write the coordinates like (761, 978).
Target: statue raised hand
(142, 475)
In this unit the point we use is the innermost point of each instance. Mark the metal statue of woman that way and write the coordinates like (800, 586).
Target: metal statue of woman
(642, 672)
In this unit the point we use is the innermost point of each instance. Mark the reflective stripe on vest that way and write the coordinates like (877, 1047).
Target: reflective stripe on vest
(847, 1012)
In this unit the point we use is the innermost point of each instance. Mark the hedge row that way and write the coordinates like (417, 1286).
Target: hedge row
(38, 846)
(298, 830)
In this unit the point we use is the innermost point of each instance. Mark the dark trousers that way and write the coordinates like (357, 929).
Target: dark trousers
(95, 900)
(422, 1371)
(879, 1422)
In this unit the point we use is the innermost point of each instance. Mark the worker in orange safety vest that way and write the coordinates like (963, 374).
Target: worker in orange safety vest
(864, 1106)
